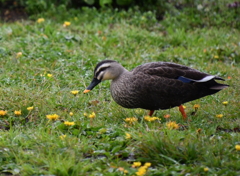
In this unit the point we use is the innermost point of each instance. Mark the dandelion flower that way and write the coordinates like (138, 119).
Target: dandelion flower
(30, 108)
(216, 57)
(40, 20)
(52, 116)
(150, 119)
(225, 102)
(128, 136)
(92, 115)
(196, 106)
(136, 164)
(66, 23)
(166, 116)
(172, 125)
(141, 171)
(85, 114)
(205, 169)
(74, 92)
(147, 164)
(49, 75)
(63, 136)
(70, 113)
(131, 119)
(67, 123)
(3, 113)
(219, 115)
(19, 54)
(18, 113)
(237, 147)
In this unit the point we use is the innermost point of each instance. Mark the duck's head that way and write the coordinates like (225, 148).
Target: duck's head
(105, 70)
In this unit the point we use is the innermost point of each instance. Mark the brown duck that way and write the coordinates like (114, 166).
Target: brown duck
(155, 85)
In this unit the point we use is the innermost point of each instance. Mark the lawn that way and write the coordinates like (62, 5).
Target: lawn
(49, 127)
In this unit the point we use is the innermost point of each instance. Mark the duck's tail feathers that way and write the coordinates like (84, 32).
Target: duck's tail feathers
(219, 86)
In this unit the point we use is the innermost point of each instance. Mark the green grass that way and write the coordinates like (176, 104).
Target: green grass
(30, 144)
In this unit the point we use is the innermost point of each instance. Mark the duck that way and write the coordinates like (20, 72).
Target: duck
(155, 85)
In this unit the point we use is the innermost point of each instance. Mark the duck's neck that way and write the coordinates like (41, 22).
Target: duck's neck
(119, 72)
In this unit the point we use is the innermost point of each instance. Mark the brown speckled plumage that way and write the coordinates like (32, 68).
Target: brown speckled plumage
(155, 85)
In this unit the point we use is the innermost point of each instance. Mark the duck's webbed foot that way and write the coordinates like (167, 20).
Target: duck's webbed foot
(181, 109)
(151, 112)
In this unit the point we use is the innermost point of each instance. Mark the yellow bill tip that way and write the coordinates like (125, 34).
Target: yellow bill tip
(86, 91)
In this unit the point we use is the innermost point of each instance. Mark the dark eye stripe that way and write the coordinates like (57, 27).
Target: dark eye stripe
(100, 70)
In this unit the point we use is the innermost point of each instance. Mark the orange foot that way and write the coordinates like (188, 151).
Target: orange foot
(151, 112)
(181, 109)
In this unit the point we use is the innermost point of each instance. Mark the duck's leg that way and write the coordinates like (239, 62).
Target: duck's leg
(151, 112)
(181, 109)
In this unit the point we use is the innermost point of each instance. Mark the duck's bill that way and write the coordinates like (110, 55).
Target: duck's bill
(94, 82)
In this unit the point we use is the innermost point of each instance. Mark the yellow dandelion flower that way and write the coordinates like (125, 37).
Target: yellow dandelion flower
(3, 113)
(196, 106)
(19, 54)
(147, 118)
(216, 57)
(131, 119)
(237, 147)
(52, 116)
(18, 113)
(66, 23)
(92, 115)
(74, 92)
(172, 125)
(63, 136)
(71, 113)
(150, 119)
(147, 164)
(128, 136)
(30, 108)
(49, 75)
(85, 114)
(136, 164)
(219, 115)
(40, 20)
(67, 123)
(205, 169)
(225, 102)
(141, 171)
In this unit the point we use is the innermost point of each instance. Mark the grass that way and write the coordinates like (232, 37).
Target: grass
(56, 60)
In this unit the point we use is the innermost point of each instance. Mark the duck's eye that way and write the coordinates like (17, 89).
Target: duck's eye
(99, 74)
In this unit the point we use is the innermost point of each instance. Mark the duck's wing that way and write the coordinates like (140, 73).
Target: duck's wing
(174, 71)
